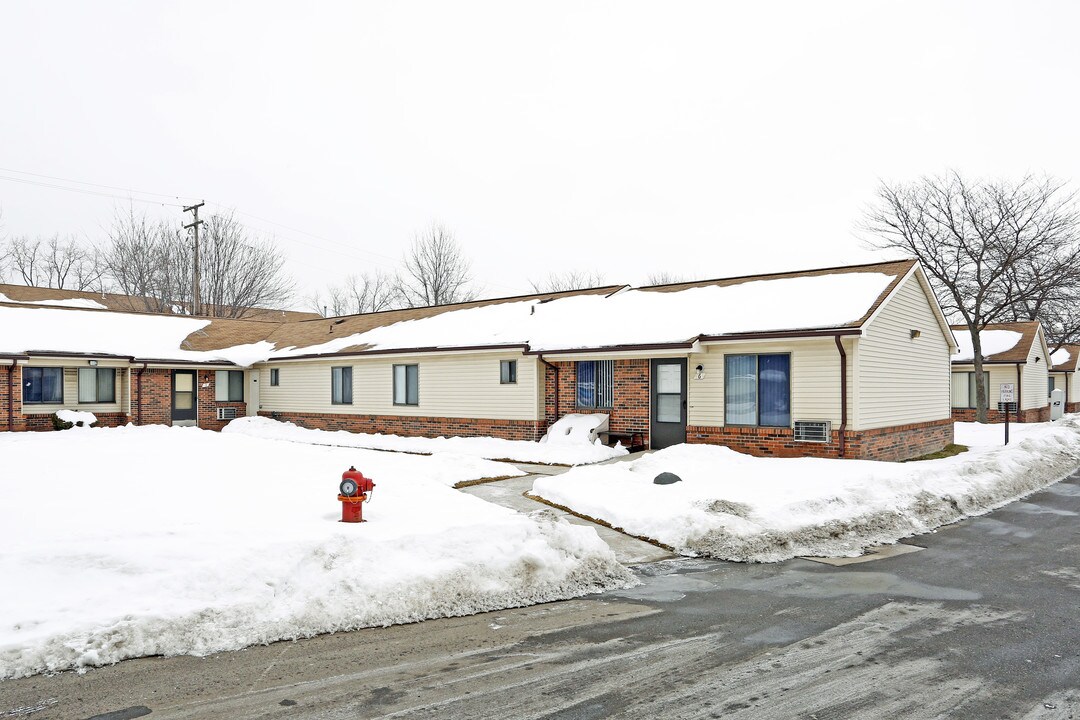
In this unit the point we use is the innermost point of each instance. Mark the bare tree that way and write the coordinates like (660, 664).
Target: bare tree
(568, 280)
(435, 270)
(153, 261)
(988, 246)
(54, 263)
(145, 259)
(665, 277)
(238, 271)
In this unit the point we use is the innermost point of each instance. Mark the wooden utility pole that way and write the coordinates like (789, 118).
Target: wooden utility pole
(196, 301)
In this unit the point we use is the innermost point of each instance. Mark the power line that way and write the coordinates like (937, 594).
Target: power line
(108, 187)
(352, 249)
(82, 191)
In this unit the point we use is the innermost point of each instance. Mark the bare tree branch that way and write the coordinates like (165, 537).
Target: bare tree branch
(994, 250)
(435, 270)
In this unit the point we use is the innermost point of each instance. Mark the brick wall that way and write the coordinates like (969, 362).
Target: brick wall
(11, 397)
(631, 401)
(206, 381)
(45, 422)
(893, 443)
(415, 426)
(154, 406)
(1071, 407)
(993, 415)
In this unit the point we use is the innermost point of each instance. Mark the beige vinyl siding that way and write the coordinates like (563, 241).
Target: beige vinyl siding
(71, 392)
(1036, 377)
(815, 379)
(453, 385)
(998, 374)
(903, 380)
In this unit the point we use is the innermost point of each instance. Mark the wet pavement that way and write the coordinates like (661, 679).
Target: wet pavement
(980, 624)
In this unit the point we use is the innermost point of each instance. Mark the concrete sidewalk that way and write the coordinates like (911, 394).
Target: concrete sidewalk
(511, 493)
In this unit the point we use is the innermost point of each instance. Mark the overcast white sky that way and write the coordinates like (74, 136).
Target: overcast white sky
(706, 139)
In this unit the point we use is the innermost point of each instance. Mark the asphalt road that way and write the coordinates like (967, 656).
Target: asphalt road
(984, 623)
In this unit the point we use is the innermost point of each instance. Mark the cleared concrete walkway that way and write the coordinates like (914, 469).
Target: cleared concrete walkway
(511, 493)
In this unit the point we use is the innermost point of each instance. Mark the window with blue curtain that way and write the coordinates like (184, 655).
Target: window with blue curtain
(757, 390)
(595, 383)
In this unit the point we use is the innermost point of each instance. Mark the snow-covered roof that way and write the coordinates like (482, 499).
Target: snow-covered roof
(1001, 342)
(55, 297)
(811, 301)
(143, 336)
(598, 318)
(1065, 358)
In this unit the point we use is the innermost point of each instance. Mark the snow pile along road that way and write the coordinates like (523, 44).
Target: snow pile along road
(120, 543)
(563, 453)
(738, 507)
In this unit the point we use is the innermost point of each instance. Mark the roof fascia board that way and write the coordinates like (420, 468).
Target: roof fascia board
(403, 352)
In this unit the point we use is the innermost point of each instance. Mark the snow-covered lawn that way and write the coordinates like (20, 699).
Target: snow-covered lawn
(739, 507)
(118, 543)
(549, 453)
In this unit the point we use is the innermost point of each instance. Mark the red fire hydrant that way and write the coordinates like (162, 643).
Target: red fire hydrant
(354, 490)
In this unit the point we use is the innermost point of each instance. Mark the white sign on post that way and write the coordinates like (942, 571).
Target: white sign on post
(1008, 392)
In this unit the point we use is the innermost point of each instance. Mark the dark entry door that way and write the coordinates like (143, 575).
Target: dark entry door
(668, 425)
(183, 395)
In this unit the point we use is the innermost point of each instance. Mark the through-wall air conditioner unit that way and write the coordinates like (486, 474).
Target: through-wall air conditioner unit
(819, 431)
(226, 413)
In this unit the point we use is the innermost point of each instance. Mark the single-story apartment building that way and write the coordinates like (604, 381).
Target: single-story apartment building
(836, 362)
(1013, 353)
(1063, 366)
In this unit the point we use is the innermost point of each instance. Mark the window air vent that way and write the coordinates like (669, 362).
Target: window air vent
(817, 431)
(226, 413)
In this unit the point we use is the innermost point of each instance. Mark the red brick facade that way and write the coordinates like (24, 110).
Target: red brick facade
(1071, 407)
(11, 417)
(900, 442)
(415, 426)
(630, 413)
(993, 415)
(151, 406)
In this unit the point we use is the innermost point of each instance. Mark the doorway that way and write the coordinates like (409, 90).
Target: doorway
(184, 410)
(667, 425)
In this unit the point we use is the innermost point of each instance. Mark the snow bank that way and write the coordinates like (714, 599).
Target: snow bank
(993, 342)
(576, 428)
(77, 416)
(738, 507)
(481, 447)
(154, 556)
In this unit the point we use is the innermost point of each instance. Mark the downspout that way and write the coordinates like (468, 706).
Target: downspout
(138, 391)
(1019, 391)
(843, 394)
(556, 369)
(11, 396)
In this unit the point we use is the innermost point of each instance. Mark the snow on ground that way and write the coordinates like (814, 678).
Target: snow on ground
(738, 507)
(576, 429)
(481, 447)
(993, 342)
(119, 543)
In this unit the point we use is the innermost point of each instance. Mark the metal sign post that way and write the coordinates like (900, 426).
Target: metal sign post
(1008, 395)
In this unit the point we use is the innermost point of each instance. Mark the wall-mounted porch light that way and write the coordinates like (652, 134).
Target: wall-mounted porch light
(93, 363)
(915, 334)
